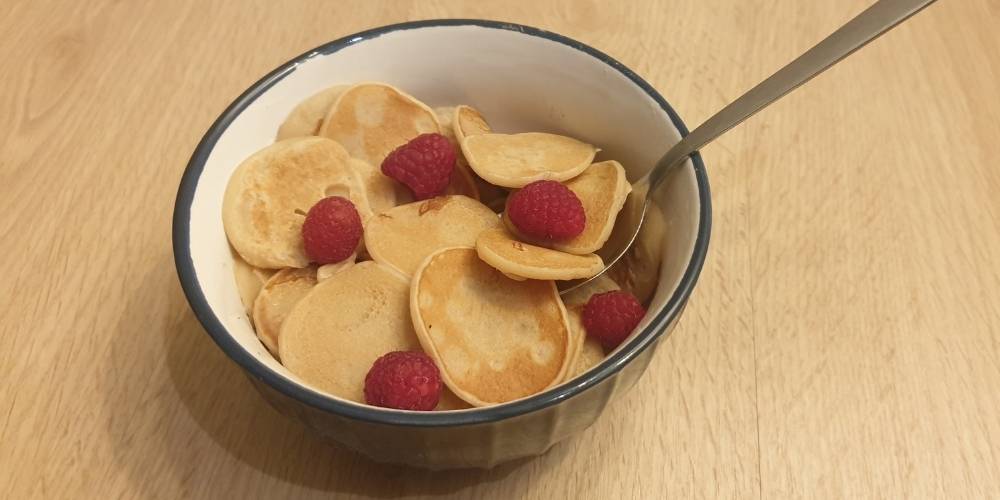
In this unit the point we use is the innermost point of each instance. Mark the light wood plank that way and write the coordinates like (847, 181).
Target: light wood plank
(842, 341)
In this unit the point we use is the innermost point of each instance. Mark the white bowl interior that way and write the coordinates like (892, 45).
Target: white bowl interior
(520, 82)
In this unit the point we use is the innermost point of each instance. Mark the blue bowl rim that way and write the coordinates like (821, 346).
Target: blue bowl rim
(214, 327)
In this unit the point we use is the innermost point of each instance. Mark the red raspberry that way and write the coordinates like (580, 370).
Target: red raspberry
(405, 380)
(331, 231)
(547, 210)
(611, 316)
(424, 165)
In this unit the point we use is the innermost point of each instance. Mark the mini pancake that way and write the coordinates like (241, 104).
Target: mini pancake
(335, 333)
(519, 159)
(467, 121)
(602, 189)
(382, 191)
(463, 181)
(494, 339)
(472, 123)
(499, 249)
(638, 271)
(582, 347)
(249, 280)
(269, 194)
(327, 271)
(372, 119)
(307, 117)
(590, 355)
(446, 117)
(276, 299)
(402, 237)
(579, 296)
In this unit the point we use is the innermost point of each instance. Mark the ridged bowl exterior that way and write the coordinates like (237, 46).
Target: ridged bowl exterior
(466, 446)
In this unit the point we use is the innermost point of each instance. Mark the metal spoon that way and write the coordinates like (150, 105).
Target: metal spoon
(867, 26)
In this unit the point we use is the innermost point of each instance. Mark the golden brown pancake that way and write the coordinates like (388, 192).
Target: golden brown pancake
(382, 191)
(372, 119)
(335, 333)
(249, 280)
(583, 354)
(276, 299)
(494, 339)
(402, 237)
(445, 116)
(474, 123)
(307, 117)
(463, 181)
(602, 189)
(519, 159)
(269, 194)
(326, 271)
(512, 257)
(591, 353)
(468, 121)
(580, 296)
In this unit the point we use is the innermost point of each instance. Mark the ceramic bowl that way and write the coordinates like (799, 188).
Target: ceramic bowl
(522, 79)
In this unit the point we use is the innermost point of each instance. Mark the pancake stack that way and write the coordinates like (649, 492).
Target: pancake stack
(450, 276)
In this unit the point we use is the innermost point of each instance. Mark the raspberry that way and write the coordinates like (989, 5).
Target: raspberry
(405, 380)
(547, 210)
(331, 231)
(424, 165)
(611, 316)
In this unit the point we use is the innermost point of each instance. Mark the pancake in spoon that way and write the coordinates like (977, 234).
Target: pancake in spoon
(499, 249)
(402, 237)
(583, 353)
(494, 339)
(269, 194)
(335, 333)
(519, 159)
(602, 189)
(372, 119)
(638, 270)
(276, 299)
(307, 117)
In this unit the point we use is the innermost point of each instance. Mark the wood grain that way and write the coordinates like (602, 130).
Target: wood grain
(842, 343)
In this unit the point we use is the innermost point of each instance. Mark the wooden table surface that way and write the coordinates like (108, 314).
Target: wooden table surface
(843, 342)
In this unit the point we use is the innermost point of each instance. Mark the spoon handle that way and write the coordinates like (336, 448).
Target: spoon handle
(867, 26)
